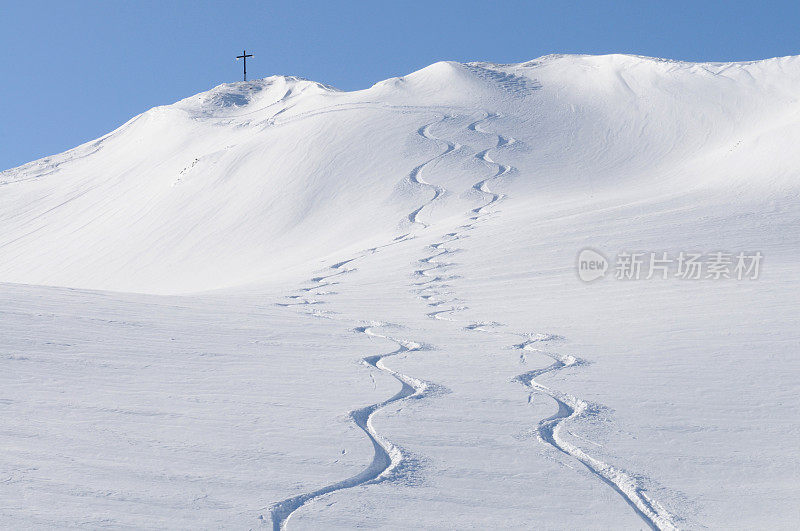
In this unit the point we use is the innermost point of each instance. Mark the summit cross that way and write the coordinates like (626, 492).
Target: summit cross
(244, 57)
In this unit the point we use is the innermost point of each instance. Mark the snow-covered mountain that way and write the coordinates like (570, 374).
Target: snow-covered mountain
(217, 268)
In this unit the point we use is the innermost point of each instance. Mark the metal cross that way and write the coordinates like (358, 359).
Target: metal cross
(244, 56)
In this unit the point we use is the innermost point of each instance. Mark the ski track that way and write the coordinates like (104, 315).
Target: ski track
(387, 456)
(481, 186)
(432, 286)
(434, 291)
(416, 174)
(570, 407)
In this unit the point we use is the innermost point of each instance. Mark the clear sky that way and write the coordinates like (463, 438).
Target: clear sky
(73, 70)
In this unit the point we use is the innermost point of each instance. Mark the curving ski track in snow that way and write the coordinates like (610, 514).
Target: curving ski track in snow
(387, 456)
(570, 407)
(431, 288)
(501, 169)
(432, 285)
(415, 176)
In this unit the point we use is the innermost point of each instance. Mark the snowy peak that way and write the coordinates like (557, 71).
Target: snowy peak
(232, 99)
(251, 179)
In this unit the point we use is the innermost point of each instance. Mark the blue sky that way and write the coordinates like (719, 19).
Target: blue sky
(72, 71)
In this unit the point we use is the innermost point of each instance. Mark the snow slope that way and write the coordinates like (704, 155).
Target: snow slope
(293, 306)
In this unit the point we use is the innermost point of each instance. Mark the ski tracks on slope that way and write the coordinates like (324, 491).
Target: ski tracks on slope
(501, 169)
(432, 285)
(416, 177)
(434, 273)
(387, 457)
(569, 408)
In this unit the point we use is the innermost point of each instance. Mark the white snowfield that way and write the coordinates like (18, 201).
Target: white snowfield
(276, 304)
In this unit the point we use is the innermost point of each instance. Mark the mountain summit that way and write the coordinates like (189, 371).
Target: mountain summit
(250, 180)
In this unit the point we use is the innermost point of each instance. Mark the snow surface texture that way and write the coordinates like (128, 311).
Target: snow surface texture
(278, 304)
